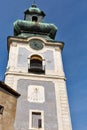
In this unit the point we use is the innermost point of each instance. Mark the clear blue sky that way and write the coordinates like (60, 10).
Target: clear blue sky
(70, 16)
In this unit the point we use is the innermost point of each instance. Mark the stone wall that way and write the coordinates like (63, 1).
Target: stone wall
(7, 118)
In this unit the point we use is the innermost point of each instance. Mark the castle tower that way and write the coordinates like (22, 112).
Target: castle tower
(35, 70)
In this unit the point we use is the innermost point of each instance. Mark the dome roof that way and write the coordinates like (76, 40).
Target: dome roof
(22, 26)
(33, 24)
(34, 10)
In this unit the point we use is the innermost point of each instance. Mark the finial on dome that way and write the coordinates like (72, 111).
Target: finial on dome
(34, 4)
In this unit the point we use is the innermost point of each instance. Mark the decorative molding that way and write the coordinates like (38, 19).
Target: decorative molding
(26, 40)
(35, 75)
(36, 94)
(14, 44)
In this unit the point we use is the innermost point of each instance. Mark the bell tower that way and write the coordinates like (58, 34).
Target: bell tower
(35, 70)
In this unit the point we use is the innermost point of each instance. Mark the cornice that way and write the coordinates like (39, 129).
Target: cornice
(35, 75)
(11, 39)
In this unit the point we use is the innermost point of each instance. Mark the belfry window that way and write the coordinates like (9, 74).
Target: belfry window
(34, 19)
(36, 64)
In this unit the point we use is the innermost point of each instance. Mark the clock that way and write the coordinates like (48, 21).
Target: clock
(36, 44)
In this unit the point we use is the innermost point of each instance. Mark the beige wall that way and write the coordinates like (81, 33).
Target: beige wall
(9, 102)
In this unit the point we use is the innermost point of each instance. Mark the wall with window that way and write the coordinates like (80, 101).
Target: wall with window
(25, 57)
(7, 110)
(38, 105)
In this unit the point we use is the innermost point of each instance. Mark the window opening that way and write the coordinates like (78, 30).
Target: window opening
(1, 109)
(39, 123)
(34, 19)
(36, 120)
(36, 64)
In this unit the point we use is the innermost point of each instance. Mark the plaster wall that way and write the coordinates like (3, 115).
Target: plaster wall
(20, 52)
(18, 77)
(61, 98)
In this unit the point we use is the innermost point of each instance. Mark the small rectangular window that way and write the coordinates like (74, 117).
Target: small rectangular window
(1, 109)
(36, 120)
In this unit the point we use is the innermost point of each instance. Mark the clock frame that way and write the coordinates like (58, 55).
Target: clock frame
(36, 44)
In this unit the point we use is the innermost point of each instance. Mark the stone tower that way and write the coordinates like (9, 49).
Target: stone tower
(35, 70)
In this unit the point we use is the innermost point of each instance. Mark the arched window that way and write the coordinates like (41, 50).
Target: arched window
(36, 64)
(34, 19)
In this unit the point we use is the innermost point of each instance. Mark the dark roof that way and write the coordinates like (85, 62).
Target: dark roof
(29, 27)
(9, 89)
(34, 10)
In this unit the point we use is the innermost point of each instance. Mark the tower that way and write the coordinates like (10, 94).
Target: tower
(35, 70)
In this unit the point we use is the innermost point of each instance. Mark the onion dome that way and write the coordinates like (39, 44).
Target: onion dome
(33, 24)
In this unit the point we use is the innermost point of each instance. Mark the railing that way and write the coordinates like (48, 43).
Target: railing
(36, 68)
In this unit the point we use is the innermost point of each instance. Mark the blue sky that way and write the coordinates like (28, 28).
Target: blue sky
(70, 16)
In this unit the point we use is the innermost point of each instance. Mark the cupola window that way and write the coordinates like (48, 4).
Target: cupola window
(36, 64)
(34, 19)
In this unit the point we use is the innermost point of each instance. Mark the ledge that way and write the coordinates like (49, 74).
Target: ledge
(26, 40)
(35, 75)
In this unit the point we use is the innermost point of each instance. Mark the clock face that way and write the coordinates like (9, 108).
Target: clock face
(36, 44)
